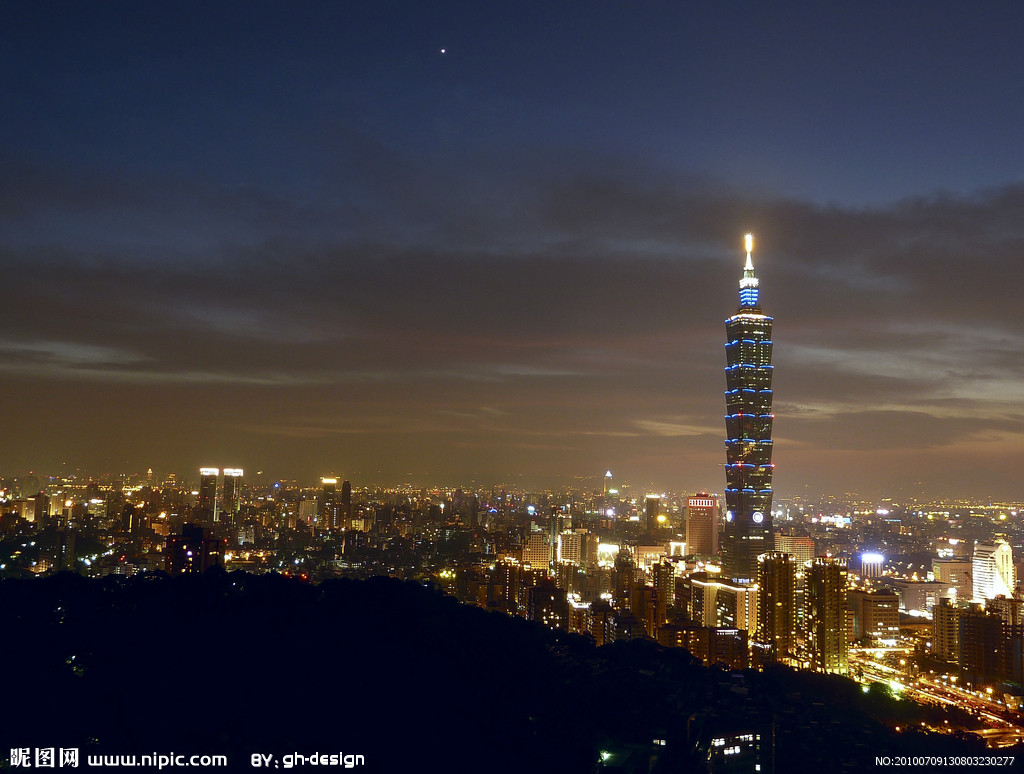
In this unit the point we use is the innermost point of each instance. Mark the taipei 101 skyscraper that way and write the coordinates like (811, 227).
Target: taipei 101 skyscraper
(748, 428)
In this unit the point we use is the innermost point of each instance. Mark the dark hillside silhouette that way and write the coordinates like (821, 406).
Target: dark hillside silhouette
(238, 664)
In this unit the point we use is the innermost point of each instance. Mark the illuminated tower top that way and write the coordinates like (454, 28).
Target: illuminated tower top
(748, 283)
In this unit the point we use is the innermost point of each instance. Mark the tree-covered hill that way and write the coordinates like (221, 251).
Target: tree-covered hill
(239, 664)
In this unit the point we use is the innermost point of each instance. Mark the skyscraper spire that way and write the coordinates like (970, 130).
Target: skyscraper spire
(748, 284)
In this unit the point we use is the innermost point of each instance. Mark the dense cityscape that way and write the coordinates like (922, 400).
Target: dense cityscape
(365, 401)
(918, 599)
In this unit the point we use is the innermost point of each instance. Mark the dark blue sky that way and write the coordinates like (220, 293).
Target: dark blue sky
(856, 104)
(299, 237)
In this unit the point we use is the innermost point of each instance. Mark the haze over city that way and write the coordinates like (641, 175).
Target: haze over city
(451, 242)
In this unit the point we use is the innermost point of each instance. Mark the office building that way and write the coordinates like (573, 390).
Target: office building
(702, 525)
(207, 503)
(1010, 610)
(232, 493)
(664, 577)
(652, 510)
(716, 603)
(345, 511)
(918, 596)
(578, 547)
(736, 606)
(876, 617)
(956, 574)
(40, 510)
(623, 578)
(328, 504)
(800, 547)
(992, 566)
(537, 550)
(308, 510)
(748, 423)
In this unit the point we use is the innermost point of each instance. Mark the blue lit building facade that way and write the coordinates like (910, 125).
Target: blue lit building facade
(748, 426)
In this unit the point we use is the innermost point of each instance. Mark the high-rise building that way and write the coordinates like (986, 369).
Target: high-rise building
(918, 595)
(556, 523)
(232, 484)
(946, 630)
(800, 547)
(570, 547)
(652, 510)
(956, 574)
(624, 576)
(208, 495)
(643, 606)
(308, 512)
(716, 603)
(131, 519)
(40, 509)
(982, 652)
(702, 525)
(578, 547)
(57, 546)
(537, 550)
(664, 575)
(776, 605)
(598, 618)
(748, 425)
(736, 606)
(506, 581)
(876, 616)
(993, 570)
(345, 514)
(195, 550)
(1011, 611)
(328, 504)
(825, 617)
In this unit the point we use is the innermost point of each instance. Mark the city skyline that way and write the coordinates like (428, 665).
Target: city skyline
(311, 241)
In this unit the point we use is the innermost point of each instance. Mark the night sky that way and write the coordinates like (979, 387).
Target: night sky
(496, 242)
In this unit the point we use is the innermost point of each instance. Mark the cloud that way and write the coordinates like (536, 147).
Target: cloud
(575, 304)
(673, 429)
(63, 353)
(896, 430)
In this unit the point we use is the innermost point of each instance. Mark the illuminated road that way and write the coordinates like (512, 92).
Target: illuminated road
(1003, 723)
